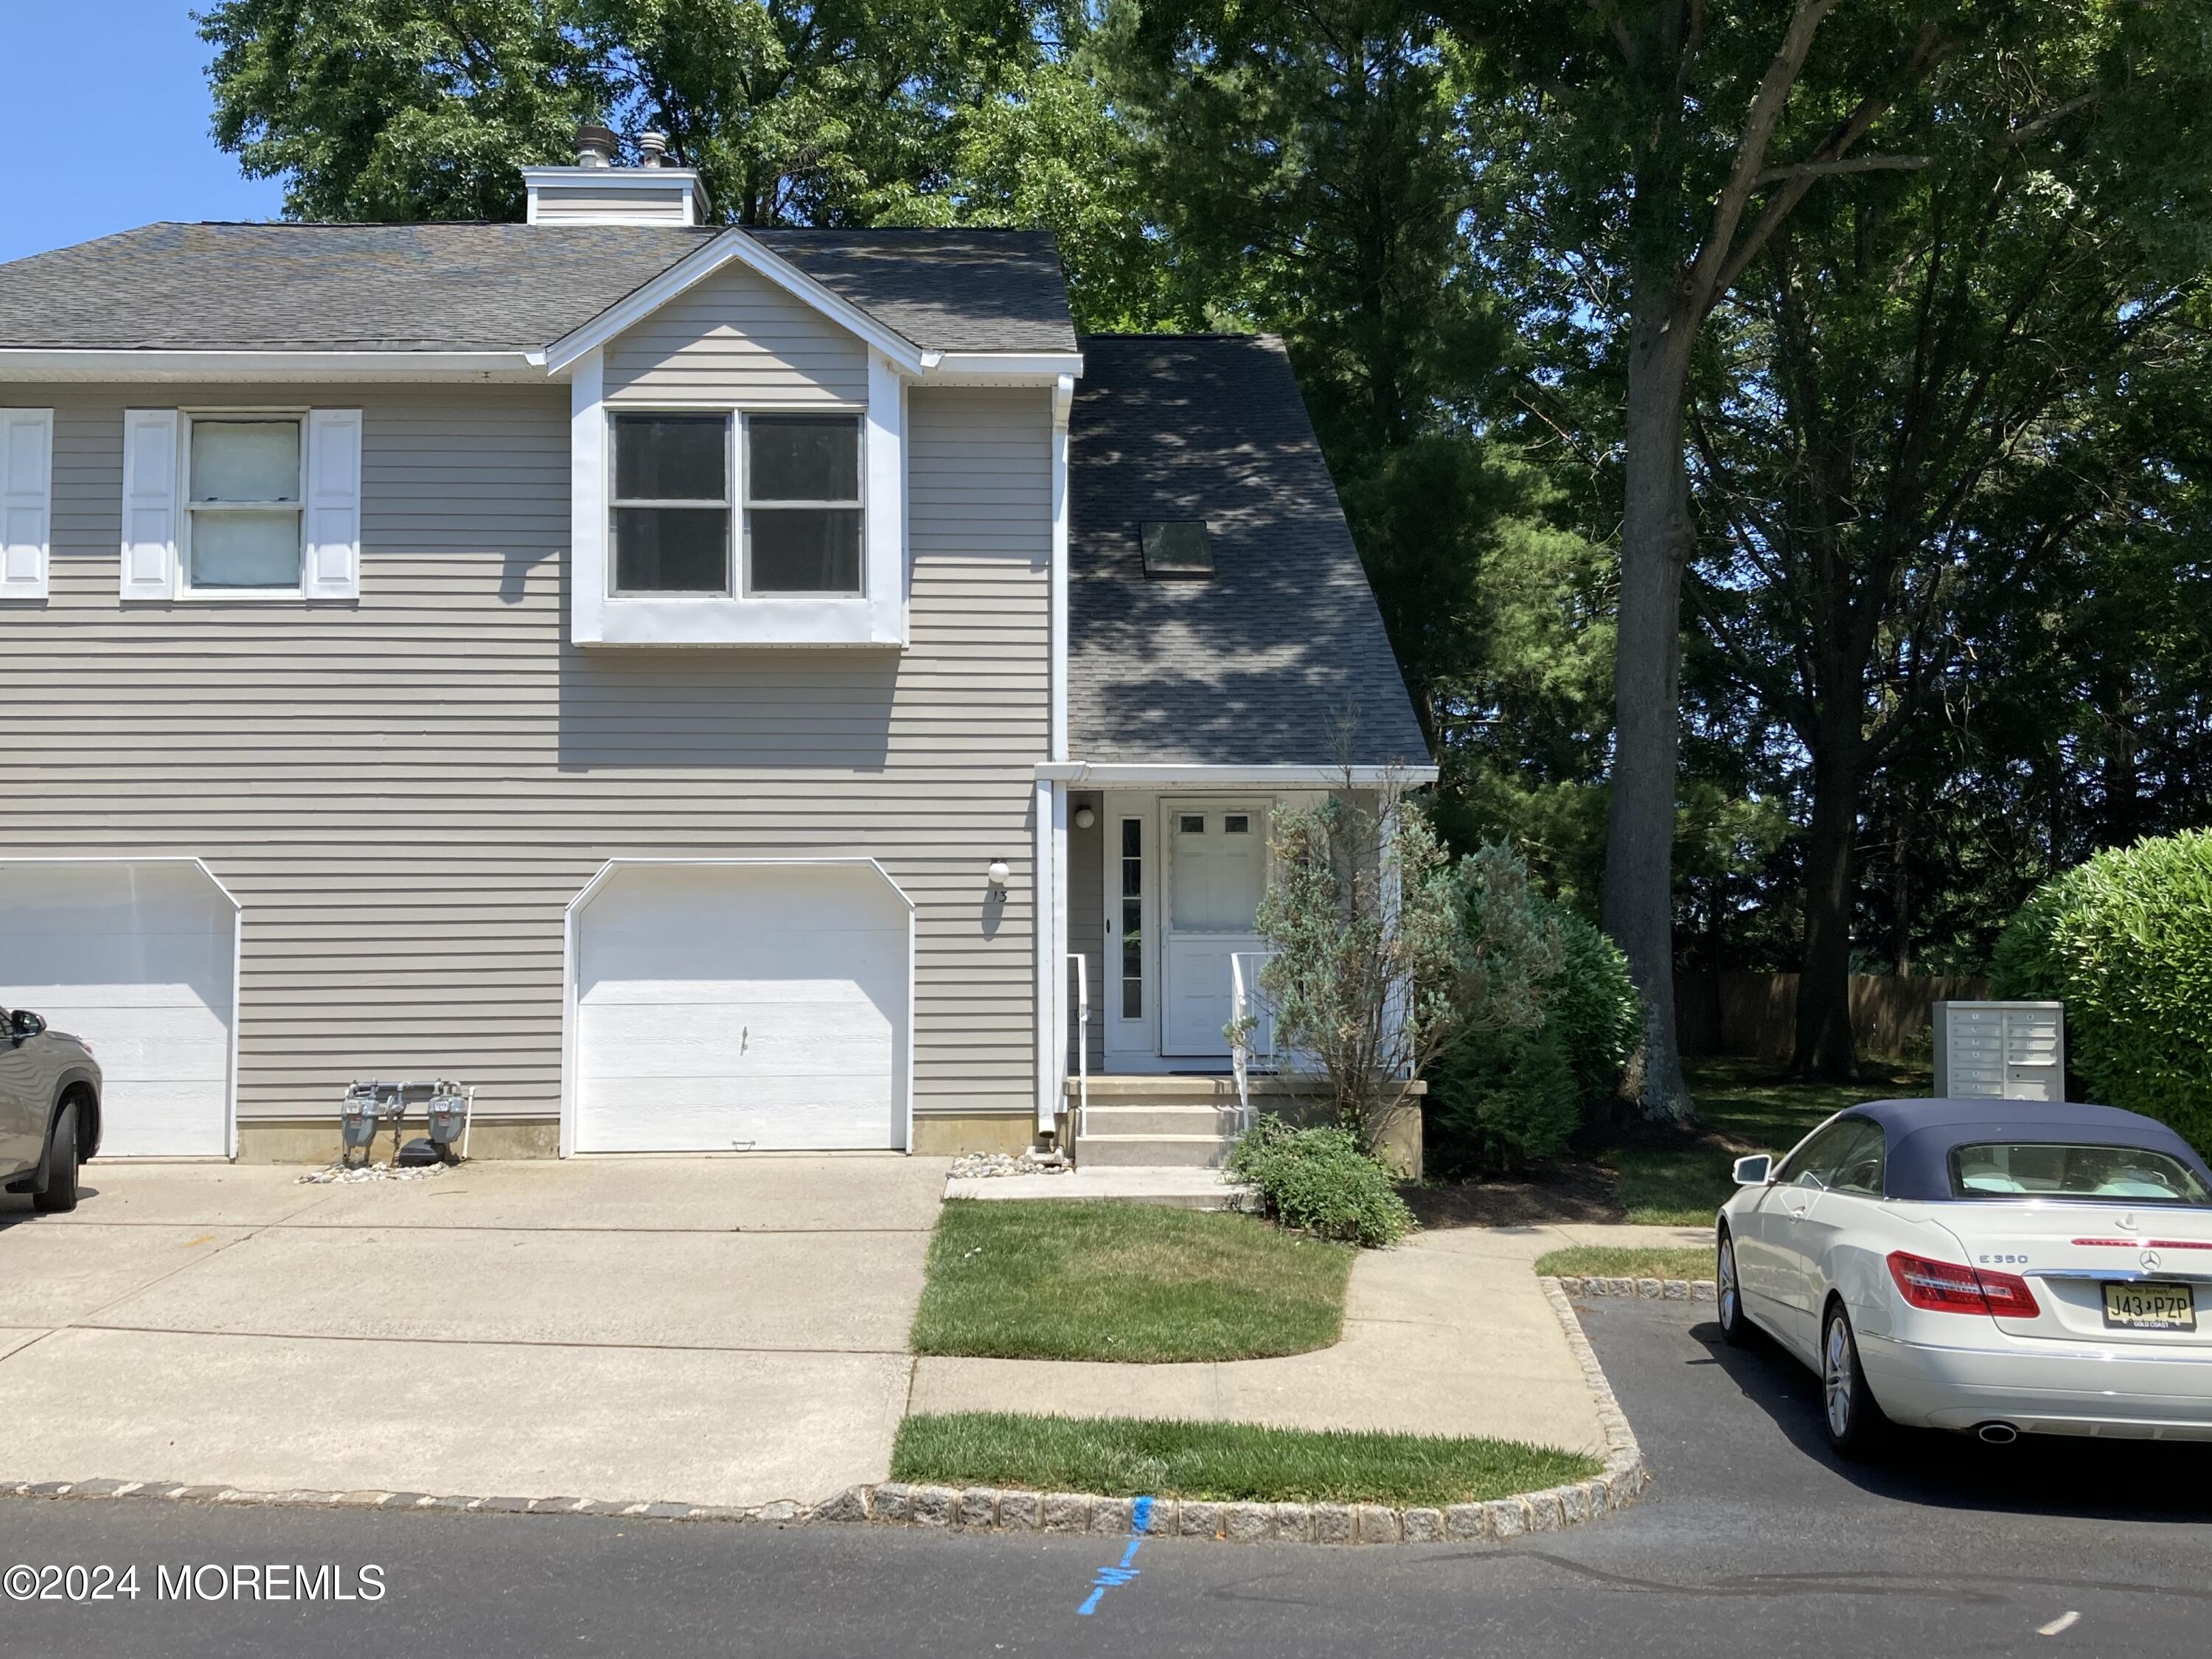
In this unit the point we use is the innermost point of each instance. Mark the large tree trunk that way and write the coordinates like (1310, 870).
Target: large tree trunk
(1825, 1046)
(1639, 889)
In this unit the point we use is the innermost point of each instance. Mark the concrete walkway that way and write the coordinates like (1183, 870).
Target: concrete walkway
(1447, 1334)
(726, 1331)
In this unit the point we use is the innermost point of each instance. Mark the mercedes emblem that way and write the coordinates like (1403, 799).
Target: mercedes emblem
(2150, 1260)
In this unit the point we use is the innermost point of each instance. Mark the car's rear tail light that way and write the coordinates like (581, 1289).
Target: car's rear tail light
(1953, 1287)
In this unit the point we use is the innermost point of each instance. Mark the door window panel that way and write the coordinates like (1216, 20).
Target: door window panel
(1216, 877)
(1132, 918)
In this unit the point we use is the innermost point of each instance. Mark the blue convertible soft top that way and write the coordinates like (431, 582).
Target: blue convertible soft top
(1921, 1134)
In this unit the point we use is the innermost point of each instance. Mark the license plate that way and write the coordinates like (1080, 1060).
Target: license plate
(2150, 1307)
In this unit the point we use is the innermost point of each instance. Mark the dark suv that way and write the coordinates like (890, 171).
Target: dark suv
(49, 1109)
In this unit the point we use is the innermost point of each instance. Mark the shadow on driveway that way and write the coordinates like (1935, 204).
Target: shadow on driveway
(2038, 1475)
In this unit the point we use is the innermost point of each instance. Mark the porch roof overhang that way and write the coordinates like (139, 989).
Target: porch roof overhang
(1138, 774)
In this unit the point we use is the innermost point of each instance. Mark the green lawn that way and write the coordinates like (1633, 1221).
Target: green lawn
(1044, 1279)
(1230, 1462)
(1742, 1107)
(1612, 1262)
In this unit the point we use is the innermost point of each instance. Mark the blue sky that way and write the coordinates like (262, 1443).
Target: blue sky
(107, 121)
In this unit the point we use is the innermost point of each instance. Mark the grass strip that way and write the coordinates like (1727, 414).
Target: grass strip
(1742, 1107)
(1051, 1280)
(1622, 1261)
(1225, 1462)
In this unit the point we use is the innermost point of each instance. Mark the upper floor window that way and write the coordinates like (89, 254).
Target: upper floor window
(803, 512)
(671, 504)
(243, 507)
(799, 513)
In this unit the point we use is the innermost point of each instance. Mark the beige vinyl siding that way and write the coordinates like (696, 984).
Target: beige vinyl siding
(736, 337)
(558, 202)
(1086, 921)
(405, 792)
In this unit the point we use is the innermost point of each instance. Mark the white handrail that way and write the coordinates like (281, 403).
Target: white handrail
(1241, 1001)
(1082, 1038)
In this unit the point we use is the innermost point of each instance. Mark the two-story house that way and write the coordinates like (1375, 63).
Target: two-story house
(703, 689)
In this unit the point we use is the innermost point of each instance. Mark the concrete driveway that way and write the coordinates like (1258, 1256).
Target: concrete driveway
(722, 1331)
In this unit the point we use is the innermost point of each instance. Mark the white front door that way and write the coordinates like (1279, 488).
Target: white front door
(1216, 866)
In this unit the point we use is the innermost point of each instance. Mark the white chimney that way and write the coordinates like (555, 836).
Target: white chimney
(597, 191)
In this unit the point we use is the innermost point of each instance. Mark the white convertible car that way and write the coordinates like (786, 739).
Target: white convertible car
(1999, 1268)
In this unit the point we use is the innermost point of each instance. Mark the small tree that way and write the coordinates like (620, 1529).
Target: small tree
(1386, 952)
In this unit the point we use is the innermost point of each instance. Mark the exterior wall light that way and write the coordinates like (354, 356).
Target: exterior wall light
(998, 872)
(1085, 818)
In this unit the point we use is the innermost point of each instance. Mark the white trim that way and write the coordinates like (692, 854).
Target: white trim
(26, 503)
(1047, 368)
(85, 363)
(572, 915)
(588, 575)
(1056, 906)
(1042, 880)
(1063, 402)
(734, 244)
(1176, 775)
(237, 964)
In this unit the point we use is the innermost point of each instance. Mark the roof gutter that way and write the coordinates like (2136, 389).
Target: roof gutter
(1177, 774)
(75, 364)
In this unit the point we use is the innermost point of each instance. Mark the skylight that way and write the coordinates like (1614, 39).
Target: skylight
(1178, 547)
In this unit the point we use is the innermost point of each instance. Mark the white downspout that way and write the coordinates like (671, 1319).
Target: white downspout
(1051, 802)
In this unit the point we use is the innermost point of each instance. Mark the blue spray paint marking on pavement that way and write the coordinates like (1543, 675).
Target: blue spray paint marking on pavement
(1140, 1519)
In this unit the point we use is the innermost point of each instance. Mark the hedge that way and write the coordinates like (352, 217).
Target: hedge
(2125, 942)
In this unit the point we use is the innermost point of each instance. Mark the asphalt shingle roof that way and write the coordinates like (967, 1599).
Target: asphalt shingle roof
(445, 287)
(1269, 660)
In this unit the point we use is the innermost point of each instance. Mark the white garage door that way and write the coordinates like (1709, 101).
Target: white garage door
(733, 1007)
(135, 958)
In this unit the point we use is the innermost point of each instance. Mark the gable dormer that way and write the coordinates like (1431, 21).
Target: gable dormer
(595, 192)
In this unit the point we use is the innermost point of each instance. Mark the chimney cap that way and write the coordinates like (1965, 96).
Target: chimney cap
(651, 149)
(595, 146)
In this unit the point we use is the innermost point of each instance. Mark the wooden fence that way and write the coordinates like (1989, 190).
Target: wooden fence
(1755, 1015)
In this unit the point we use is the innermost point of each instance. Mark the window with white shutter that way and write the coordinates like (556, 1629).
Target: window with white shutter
(26, 501)
(151, 446)
(333, 527)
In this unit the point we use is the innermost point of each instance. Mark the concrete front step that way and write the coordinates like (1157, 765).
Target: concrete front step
(1161, 1118)
(1196, 1151)
(1175, 1188)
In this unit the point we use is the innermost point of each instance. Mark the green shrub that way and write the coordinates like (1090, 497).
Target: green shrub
(1499, 1101)
(1320, 1181)
(1593, 1009)
(2125, 942)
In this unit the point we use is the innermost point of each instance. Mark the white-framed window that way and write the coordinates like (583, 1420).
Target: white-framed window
(788, 485)
(805, 527)
(244, 502)
(669, 510)
(798, 537)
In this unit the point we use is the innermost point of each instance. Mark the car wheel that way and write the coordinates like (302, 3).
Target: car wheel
(1854, 1422)
(1727, 1294)
(60, 1195)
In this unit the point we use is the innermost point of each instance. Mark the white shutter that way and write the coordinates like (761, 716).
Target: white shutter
(150, 503)
(333, 527)
(26, 501)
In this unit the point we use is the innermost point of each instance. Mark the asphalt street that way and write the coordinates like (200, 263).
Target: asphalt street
(1753, 1541)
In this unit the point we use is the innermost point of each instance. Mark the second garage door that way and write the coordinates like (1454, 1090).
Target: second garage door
(136, 957)
(726, 1007)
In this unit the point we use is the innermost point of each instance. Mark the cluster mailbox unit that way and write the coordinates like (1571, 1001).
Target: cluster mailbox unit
(2000, 1051)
